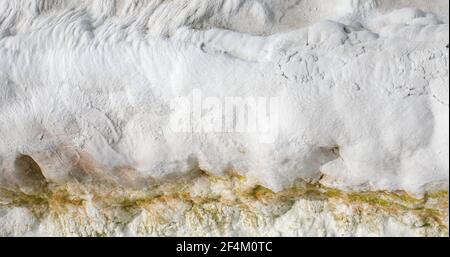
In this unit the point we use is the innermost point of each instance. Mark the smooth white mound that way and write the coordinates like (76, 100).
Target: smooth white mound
(86, 89)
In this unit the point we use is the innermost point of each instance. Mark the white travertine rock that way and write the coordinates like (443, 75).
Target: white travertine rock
(86, 92)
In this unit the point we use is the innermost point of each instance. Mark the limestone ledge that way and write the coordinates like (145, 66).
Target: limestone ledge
(199, 204)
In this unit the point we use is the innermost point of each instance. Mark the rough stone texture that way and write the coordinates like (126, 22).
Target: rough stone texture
(85, 103)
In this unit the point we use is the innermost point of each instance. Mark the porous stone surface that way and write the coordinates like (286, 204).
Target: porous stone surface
(359, 146)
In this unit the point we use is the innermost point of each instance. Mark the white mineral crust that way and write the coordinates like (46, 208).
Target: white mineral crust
(87, 91)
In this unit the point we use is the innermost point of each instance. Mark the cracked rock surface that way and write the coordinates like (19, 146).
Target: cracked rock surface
(361, 145)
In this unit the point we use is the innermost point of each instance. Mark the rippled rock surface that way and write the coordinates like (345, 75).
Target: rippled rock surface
(224, 117)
